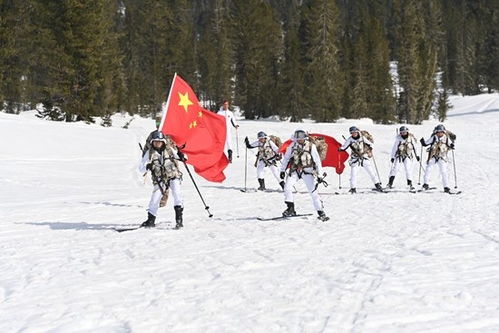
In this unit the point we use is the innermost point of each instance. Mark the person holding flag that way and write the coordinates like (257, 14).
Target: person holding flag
(303, 161)
(231, 121)
(185, 127)
(161, 159)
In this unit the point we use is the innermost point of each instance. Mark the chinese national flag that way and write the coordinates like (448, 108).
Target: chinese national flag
(334, 158)
(202, 131)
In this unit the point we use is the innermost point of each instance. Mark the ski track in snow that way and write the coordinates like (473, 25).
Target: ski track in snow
(395, 262)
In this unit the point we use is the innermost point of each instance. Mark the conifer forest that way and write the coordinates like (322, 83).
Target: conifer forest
(389, 60)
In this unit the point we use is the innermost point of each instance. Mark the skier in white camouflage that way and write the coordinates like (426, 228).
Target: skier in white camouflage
(361, 155)
(304, 163)
(161, 159)
(403, 152)
(440, 142)
(268, 156)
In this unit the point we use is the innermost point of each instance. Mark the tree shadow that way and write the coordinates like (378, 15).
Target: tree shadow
(107, 203)
(79, 225)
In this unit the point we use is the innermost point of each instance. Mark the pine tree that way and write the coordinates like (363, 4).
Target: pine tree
(291, 85)
(259, 48)
(324, 79)
(216, 55)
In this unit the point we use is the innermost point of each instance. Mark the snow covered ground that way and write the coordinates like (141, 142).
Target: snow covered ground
(396, 262)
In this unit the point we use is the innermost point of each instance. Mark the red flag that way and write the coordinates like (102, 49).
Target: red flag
(334, 158)
(202, 131)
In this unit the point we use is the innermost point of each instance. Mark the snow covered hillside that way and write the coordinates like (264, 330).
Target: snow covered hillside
(396, 262)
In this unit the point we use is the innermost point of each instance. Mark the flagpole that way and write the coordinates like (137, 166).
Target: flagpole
(165, 109)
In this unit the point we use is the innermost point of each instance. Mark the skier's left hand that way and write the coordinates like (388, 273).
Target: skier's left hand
(451, 146)
(282, 175)
(418, 158)
(181, 155)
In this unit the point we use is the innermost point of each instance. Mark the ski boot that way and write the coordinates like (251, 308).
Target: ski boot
(149, 223)
(178, 216)
(322, 216)
(290, 211)
(282, 183)
(446, 190)
(409, 183)
(261, 181)
(229, 155)
(425, 187)
(353, 190)
(390, 182)
(378, 187)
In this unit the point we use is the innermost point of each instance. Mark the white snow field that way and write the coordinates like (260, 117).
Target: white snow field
(396, 262)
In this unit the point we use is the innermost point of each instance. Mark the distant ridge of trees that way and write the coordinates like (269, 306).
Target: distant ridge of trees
(317, 59)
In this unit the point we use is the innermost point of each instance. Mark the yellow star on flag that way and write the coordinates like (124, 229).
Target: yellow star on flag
(193, 124)
(200, 114)
(184, 100)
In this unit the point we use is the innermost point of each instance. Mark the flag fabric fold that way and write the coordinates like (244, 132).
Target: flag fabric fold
(200, 131)
(334, 158)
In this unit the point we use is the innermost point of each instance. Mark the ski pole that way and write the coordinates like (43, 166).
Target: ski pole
(245, 168)
(196, 186)
(376, 167)
(237, 143)
(455, 173)
(420, 166)
(339, 181)
(145, 173)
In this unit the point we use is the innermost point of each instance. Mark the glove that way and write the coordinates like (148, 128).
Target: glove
(282, 175)
(451, 145)
(149, 166)
(392, 160)
(422, 142)
(181, 156)
(339, 149)
(246, 141)
(418, 158)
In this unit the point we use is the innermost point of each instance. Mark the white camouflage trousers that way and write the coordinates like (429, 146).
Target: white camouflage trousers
(407, 165)
(309, 182)
(442, 165)
(355, 169)
(156, 196)
(260, 170)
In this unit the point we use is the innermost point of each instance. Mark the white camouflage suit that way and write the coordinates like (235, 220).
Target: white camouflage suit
(231, 121)
(359, 158)
(403, 152)
(165, 170)
(438, 150)
(302, 154)
(268, 153)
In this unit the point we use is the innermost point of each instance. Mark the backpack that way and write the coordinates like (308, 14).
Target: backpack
(367, 135)
(450, 135)
(321, 145)
(276, 140)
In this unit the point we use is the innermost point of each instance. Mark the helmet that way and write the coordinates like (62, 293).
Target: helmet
(300, 134)
(158, 136)
(353, 129)
(403, 129)
(439, 128)
(261, 134)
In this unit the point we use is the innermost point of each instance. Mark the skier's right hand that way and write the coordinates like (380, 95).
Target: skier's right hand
(246, 141)
(392, 160)
(339, 149)
(149, 166)
(282, 175)
(417, 158)
(422, 142)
